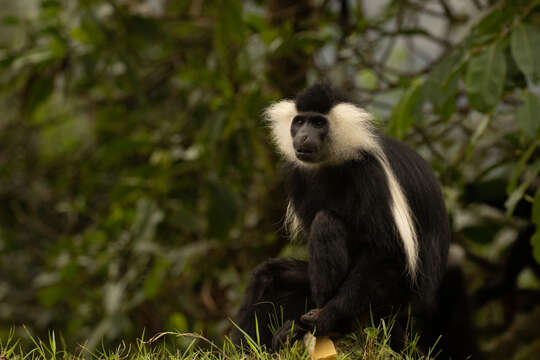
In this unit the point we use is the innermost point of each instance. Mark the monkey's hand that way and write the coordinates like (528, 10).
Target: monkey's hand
(290, 331)
(321, 321)
(311, 318)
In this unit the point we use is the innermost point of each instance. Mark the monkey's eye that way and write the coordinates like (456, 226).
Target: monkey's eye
(318, 121)
(298, 120)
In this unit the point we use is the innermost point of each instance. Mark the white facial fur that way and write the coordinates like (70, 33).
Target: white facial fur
(279, 116)
(351, 131)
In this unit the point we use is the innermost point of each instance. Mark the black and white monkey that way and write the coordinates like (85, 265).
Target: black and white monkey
(374, 217)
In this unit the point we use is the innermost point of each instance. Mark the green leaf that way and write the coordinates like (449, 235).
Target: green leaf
(485, 78)
(478, 132)
(491, 23)
(521, 166)
(154, 281)
(407, 111)
(487, 28)
(527, 115)
(10, 20)
(178, 322)
(229, 32)
(79, 34)
(442, 85)
(39, 89)
(482, 233)
(525, 44)
(51, 295)
(518, 193)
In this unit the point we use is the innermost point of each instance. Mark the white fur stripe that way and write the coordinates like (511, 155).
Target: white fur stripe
(292, 223)
(402, 217)
(352, 130)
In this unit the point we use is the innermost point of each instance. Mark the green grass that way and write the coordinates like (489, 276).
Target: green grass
(366, 343)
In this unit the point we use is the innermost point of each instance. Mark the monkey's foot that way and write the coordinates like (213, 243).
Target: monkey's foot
(290, 331)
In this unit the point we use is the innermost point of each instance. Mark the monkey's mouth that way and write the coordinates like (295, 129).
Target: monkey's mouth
(307, 155)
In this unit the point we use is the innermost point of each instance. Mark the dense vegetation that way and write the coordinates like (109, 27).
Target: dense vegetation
(138, 186)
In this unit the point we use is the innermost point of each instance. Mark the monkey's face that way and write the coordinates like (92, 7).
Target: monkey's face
(309, 132)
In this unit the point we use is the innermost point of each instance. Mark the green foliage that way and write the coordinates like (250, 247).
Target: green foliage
(137, 180)
(442, 86)
(485, 77)
(526, 50)
(527, 115)
(408, 110)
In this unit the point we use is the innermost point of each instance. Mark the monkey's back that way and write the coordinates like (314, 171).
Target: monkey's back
(426, 201)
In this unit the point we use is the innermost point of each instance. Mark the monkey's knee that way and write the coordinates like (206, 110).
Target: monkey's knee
(273, 266)
(263, 273)
(281, 273)
(290, 331)
(262, 280)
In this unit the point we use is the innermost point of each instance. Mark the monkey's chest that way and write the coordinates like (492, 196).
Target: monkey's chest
(309, 196)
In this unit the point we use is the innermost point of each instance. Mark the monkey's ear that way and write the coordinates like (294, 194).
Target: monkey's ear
(352, 131)
(281, 111)
(279, 116)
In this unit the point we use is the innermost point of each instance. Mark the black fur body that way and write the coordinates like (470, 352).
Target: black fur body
(357, 262)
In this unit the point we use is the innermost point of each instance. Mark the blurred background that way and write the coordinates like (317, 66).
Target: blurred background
(139, 188)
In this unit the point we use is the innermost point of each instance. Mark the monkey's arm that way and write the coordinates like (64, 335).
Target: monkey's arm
(329, 256)
(327, 268)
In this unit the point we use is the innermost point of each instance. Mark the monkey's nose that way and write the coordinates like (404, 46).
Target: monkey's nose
(300, 141)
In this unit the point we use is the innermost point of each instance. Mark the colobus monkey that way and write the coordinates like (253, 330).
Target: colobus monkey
(374, 217)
